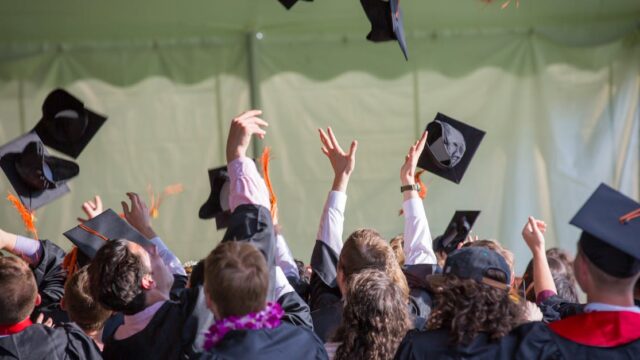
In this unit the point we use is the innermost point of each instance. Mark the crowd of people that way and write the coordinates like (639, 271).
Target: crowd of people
(125, 295)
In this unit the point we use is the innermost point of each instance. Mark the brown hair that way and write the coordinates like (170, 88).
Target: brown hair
(375, 317)
(397, 245)
(366, 249)
(467, 308)
(82, 309)
(236, 278)
(18, 289)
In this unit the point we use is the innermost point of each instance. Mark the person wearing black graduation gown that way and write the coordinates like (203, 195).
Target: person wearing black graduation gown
(25, 340)
(420, 260)
(607, 267)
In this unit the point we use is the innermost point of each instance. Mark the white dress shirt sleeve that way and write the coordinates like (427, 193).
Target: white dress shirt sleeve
(418, 245)
(332, 220)
(169, 259)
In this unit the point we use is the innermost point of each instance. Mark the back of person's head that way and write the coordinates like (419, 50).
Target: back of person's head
(196, 277)
(18, 290)
(397, 245)
(566, 287)
(562, 277)
(593, 279)
(236, 279)
(366, 249)
(467, 306)
(116, 274)
(82, 309)
(375, 317)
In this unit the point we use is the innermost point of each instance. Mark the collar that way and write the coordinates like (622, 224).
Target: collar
(144, 315)
(599, 328)
(590, 307)
(15, 328)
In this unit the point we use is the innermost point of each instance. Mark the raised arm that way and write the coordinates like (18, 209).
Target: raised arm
(533, 234)
(418, 245)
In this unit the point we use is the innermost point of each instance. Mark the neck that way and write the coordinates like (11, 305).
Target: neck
(96, 336)
(611, 298)
(155, 296)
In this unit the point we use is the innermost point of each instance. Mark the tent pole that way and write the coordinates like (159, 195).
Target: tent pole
(254, 82)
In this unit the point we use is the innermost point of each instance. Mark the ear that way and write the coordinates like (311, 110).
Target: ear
(211, 306)
(38, 300)
(340, 281)
(147, 282)
(63, 306)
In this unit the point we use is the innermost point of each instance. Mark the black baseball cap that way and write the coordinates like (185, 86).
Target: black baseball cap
(37, 177)
(451, 144)
(457, 231)
(66, 124)
(610, 239)
(91, 235)
(475, 263)
(386, 22)
(217, 205)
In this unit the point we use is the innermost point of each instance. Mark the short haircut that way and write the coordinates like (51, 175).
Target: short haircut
(236, 278)
(80, 306)
(116, 276)
(196, 278)
(18, 288)
(603, 281)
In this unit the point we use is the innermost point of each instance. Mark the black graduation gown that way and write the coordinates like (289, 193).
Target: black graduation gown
(326, 300)
(555, 308)
(40, 342)
(610, 335)
(435, 344)
(50, 279)
(170, 334)
(284, 342)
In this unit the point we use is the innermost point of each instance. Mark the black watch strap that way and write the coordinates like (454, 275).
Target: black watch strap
(411, 187)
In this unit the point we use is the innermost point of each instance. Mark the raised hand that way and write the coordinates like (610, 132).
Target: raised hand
(408, 169)
(242, 128)
(138, 216)
(92, 208)
(342, 162)
(533, 234)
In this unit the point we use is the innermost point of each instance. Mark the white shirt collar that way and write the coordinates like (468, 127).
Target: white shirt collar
(607, 307)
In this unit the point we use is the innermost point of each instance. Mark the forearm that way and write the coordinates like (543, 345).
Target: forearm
(418, 244)
(169, 259)
(246, 184)
(542, 277)
(28, 249)
(332, 220)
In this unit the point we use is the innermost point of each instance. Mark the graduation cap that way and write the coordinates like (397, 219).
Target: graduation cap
(289, 3)
(610, 224)
(450, 147)
(475, 263)
(456, 232)
(385, 17)
(217, 205)
(66, 125)
(91, 235)
(36, 177)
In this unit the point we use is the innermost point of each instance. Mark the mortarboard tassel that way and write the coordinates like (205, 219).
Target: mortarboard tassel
(28, 217)
(630, 216)
(264, 160)
(70, 262)
(168, 191)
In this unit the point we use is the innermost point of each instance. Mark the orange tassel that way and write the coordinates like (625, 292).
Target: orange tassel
(28, 217)
(70, 262)
(156, 202)
(423, 187)
(265, 158)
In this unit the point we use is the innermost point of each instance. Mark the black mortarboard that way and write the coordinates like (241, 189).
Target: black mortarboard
(386, 22)
(289, 3)
(217, 205)
(450, 147)
(610, 222)
(66, 125)
(91, 235)
(36, 177)
(456, 232)
(475, 263)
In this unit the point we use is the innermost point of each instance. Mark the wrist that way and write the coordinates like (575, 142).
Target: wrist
(407, 181)
(340, 183)
(148, 232)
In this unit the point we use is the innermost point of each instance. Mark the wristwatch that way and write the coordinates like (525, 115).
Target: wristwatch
(411, 187)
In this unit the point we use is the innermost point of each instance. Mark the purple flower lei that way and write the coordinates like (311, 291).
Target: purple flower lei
(268, 318)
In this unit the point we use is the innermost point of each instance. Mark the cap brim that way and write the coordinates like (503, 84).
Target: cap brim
(32, 199)
(212, 207)
(109, 225)
(472, 136)
(600, 217)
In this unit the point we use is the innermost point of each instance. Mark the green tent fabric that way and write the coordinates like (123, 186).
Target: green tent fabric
(556, 85)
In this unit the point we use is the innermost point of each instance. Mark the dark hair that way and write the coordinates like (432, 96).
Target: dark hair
(375, 317)
(116, 276)
(467, 308)
(566, 288)
(196, 278)
(236, 278)
(18, 289)
(561, 267)
(79, 304)
(366, 249)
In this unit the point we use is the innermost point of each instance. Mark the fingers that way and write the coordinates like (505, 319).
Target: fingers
(125, 208)
(48, 323)
(325, 151)
(334, 142)
(420, 144)
(40, 318)
(98, 202)
(325, 140)
(249, 114)
(353, 149)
